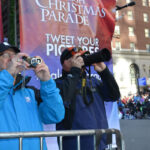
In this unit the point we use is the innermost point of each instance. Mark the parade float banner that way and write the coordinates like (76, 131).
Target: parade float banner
(1, 25)
(47, 27)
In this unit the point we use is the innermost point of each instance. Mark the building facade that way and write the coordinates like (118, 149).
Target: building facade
(131, 46)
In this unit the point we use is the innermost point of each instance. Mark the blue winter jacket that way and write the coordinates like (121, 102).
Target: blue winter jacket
(19, 111)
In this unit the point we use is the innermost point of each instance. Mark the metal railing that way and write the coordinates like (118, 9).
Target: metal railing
(97, 135)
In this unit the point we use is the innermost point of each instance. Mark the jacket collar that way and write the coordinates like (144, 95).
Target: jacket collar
(21, 82)
(65, 73)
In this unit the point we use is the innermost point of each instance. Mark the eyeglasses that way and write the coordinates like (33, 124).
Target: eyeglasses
(7, 55)
(75, 50)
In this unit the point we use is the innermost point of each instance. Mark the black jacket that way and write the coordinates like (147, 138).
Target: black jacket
(84, 105)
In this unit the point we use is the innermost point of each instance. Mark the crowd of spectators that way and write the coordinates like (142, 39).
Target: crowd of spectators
(135, 106)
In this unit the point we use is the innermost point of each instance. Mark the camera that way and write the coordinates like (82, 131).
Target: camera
(33, 61)
(100, 56)
(89, 59)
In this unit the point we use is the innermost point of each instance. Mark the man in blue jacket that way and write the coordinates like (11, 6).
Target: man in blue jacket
(84, 98)
(23, 108)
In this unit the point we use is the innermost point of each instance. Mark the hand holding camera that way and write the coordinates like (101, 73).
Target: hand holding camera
(22, 61)
(32, 61)
(39, 66)
(77, 61)
(89, 59)
(16, 64)
(99, 67)
(42, 70)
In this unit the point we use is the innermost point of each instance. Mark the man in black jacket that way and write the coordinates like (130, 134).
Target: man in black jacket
(84, 98)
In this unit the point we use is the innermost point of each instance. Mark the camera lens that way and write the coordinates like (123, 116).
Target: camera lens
(33, 61)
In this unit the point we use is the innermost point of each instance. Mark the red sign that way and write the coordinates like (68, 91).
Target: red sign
(56, 24)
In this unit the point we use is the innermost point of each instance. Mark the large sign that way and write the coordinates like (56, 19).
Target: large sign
(1, 25)
(49, 26)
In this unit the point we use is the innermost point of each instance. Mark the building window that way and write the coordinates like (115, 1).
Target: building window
(144, 67)
(132, 46)
(128, 1)
(148, 47)
(147, 33)
(145, 2)
(145, 17)
(118, 45)
(149, 70)
(135, 74)
(131, 31)
(130, 15)
(117, 14)
(117, 30)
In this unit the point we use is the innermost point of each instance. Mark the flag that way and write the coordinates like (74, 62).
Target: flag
(142, 81)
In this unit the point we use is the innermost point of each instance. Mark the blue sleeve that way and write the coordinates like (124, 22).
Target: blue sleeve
(51, 109)
(6, 83)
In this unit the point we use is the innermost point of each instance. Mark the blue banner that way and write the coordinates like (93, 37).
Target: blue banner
(142, 81)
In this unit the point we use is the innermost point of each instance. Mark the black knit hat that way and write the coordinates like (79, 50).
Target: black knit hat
(66, 54)
(5, 46)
